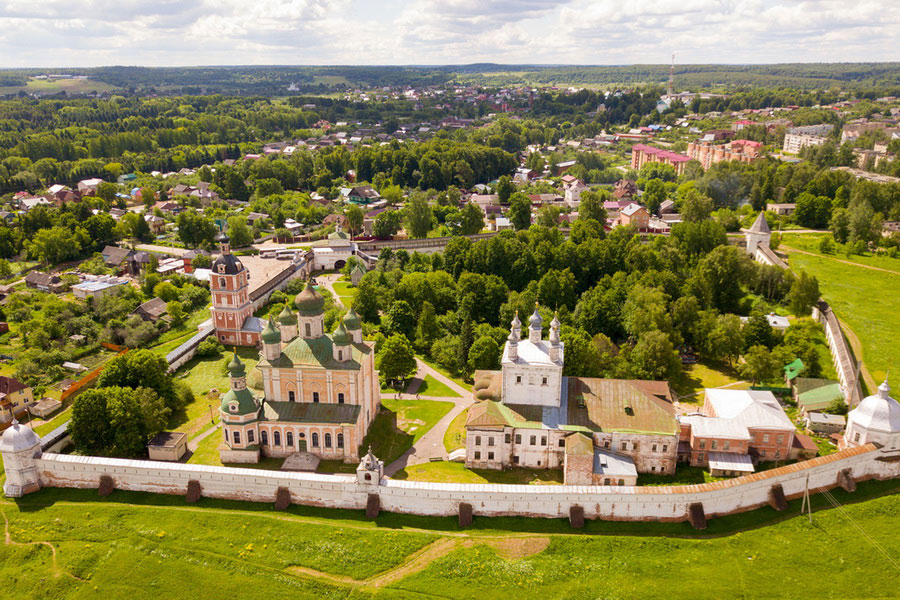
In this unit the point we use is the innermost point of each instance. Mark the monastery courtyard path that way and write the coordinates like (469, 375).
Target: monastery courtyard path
(431, 445)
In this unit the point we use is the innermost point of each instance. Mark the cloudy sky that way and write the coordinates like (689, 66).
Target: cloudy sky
(73, 33)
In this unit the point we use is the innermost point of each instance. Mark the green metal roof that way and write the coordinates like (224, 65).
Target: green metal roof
(244, 398)
(352, 321)
(312, 412)
(287, 317)
(820, 397)
(270, 334)
(236, 367)
(318, 353)
(793, 369)
(309, 302)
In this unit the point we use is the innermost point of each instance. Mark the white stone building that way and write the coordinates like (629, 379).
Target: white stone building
(600, 431)
(875, 420)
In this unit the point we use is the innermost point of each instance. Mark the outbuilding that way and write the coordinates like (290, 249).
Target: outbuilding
(167, 445)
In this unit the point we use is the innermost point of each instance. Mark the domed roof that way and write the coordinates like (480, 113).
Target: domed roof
(270, 335)
(309, 302)
(242, 401)
(535, 321)
(352, 321)
(878, 412)
(516, 323)
(18, 437)
(222, 237)
(236, 367)
(230, 262)
(287, 317)
(340, 336)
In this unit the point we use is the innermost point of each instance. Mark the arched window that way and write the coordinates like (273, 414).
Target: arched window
(290, 438)
(316, 397)
(315, 440)
(237, 437)
(328, 440)
(226, 434)
(264, 437)
(341, 398)
(276, 436)
(340, 440)
(222, 283)
(249, 436)
(340, 355)
(308, 330)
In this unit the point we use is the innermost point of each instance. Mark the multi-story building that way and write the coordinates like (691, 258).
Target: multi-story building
(600, 431)
(232, 311)
(709, 153)
(642, 154)
(320, 391)
(794, 142)
(735, 429)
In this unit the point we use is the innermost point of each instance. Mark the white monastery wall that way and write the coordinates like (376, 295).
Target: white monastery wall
(344, 491)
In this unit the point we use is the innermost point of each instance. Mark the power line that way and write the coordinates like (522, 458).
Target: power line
(836, 504)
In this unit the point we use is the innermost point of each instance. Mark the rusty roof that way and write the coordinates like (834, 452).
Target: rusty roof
(624, 405)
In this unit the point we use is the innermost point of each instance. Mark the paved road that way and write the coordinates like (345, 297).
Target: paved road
(431, 445)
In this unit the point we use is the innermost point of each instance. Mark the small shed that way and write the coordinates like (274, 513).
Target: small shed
(819, 422)
(168, 445)
(47, 406)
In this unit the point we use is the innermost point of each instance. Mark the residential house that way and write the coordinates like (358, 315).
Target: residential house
(15, 398)
(363, 194)
(45, 282)
(561, 167)
(157, 224)
(572, 189)
(88, 187)
(94, 288)
(635, 215)
(824, 423)
(812, 394)
(625, 189)
(152, 310)
(782, 209)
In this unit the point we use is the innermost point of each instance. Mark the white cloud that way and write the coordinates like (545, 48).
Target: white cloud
(174, 32)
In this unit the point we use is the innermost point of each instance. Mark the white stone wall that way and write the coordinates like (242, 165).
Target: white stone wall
(343, 491)
(651, 453)
(524, 384)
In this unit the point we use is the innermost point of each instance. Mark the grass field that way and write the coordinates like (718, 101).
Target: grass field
(451, 472)
(207, 453)
(705, 374)
(865, 300)
(71, 544)
(55, 86)
(445, 373)
(432, 387)
(400, 423)
(455, 436)
(345, 291)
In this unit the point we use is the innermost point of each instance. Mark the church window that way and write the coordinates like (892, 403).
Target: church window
(515, 460)
(702, 444)
(222, 283)
(712, 445)
(653, 469)
(726, 445)
(856, 437)
(518, 379)
(340, 355)
(328, 440)
(665, 447)
(762, 453)
(290, 438)
(490, 441)
(780, 439)
(778, 454)
(250, 439)
(477, 440)
(621, 482)
(765, 438)
(316, 397)
(490, 456)
(291, 396)
(307, 329)
(315, 440)
(276, 437)
(606, 481)
(625, 446)
(340, 440)
(701, 457)
(518, 438)
(634, 446)
(233, 407)
(653, 449)
(606, 444)
(534, 440)
(543, 440)
(368, 477)
(543, 381)
(507, 438)
(264, 437)
(340, 397)
(222, 270)
(478, 456)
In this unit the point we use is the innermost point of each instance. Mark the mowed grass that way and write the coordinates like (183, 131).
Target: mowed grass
(705, 374)
(432, 387)
(455, 436)
(810, 243)
(451, 472)
(207, 453)
(400, 423)
(866, 301)
(346, 292)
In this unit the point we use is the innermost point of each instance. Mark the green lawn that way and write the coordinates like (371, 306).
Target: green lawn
(705, 374)
(810, 243)
(136, 546)
(445, 373)
(400, 423)
(432, 387)
(207, 453)
(451, 472)
(203, 375)
(866, 301)
(346, 292)
(455, 436)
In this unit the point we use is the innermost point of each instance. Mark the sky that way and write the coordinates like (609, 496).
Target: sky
(86, 33)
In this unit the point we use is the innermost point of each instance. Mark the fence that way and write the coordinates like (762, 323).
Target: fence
(844, 362)
(86, 380)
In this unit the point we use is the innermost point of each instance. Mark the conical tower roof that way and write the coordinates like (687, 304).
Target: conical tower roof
(760, 225)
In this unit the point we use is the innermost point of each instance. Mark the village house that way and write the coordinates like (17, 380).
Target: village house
(152, 310)
(320, 391)
(15, 398)
(363, 194)
(600, 431)
(96, 287)
(45, 282)
(88, 187)
(635, 215)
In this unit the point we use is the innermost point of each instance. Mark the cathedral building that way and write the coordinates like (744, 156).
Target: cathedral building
(320, 390)
(599, 431)
(232, 311)
(875, 420)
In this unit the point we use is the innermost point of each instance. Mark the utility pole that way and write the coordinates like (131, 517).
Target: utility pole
(807, 503)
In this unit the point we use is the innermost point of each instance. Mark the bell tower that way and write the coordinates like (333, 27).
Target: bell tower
(229, 285)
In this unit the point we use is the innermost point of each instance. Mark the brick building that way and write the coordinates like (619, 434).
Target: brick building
(709, 153)
(642, 154)
(232, 311)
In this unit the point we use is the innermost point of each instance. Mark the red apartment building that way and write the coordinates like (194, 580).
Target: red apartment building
(642, 154)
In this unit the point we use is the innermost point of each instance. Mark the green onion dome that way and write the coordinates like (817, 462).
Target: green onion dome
(309, 302)
(270, 334)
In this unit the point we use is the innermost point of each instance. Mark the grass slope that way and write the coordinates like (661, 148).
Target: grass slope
(400, 423)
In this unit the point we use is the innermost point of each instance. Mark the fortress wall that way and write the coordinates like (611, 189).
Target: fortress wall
(344, 491)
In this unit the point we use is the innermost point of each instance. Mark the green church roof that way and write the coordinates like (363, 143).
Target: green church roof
(287, 317)
(246, 405)
(316, 353)
(352, 321)
(270, 334)
(341, 337)
(309, 302)
(236, 367)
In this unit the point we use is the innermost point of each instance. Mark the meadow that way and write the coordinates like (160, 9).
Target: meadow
(71, 544)
(863, 298)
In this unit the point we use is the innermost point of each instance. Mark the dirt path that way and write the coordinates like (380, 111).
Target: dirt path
(840, 260)
(328, 282)
(55, 570)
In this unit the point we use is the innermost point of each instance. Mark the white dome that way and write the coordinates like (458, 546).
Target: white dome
(18, 438)
(878, 412)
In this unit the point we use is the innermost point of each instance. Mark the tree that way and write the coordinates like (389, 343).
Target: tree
(54, 245)
(696, 207)
(840, 225)
(505, 189)
(239, 232)
(484, 354)
(176, 312)
(418, 216)
(758, 332)
(548, 216)
(396, 358)
(89, 423)
(116, 421)
(654, 194)
(557, 289)
(591, 206)
(804, 294)
(720, 274)
(759, 365)
(654, 357)
(400, 319)
(471, 219)
(427, 328)
(387, 224)
(582, 355)
(865, 224)
(520, 211)
(142, 368)
(166, 290)
(355, 217)
(194, 229)
(366, 301)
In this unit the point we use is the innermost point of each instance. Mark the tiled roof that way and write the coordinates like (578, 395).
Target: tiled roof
(311, 412)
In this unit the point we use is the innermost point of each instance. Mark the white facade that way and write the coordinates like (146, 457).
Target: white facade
(875, 420)
(532, 368)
